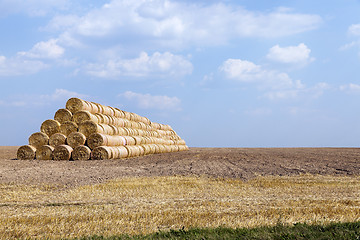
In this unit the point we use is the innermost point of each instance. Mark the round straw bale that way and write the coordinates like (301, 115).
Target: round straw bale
(101, 153)
(138, 140)
(129, 140)
(101, 118)
(106, 129)
(95, 108)
(50, 127)
(115, 130)
(89, 127)
(26, 152)
(83, 115)
(108, 111)
(180, 142)
(122, 131)
(44, 152)
(141, 149)
(63, 115)
(57, 139)
(96, 140)
(76, 139)
(134, 151)
(147, 149)
(127, 115)
(68, 127)
(77, 104)
(38, 139)
(119, 113)
(114, 112)
(123, 152)
(81, 153)
(119, 122)
(62, 152)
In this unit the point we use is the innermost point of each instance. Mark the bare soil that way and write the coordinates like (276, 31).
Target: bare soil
(242, 163)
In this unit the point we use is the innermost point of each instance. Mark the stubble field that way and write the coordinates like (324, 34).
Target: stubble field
(203, 187)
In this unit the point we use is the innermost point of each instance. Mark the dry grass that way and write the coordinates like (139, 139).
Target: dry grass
(144, 205)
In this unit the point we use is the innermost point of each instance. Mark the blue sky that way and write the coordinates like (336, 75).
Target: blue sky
(222, 73)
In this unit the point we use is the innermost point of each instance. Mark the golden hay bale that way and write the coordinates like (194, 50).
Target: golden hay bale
(50, 127)
(147, 149)
(76, 139)
(138, 140)
(57, 139)
(99, 139)
(129, 140)
(68, 127)
(63, 115)
(162, 148)
(180, 142)
(119, 122)
(81, 153)
(26, 152)
(107, 129)
(119, 113)
(38, 139)
(141, 149)
(134, 151)
(183, 147)
(77, 104)
(101, 153)
(89, 127)
(45, 152)
(94, 107)
(83, 115)
(127, 115)
(96, 140)
(123, 152)
(62, 152)
(122, 131)
(155, 125)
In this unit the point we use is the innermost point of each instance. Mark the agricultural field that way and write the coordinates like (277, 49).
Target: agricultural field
(200, 188)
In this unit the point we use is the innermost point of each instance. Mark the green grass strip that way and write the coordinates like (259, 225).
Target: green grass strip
(299, 231)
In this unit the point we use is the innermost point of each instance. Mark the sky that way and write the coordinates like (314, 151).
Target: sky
(226, 73)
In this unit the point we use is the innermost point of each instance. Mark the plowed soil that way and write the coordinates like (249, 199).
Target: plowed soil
(242, 163)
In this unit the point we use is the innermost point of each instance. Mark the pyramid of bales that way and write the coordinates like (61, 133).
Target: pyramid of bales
(86, 130)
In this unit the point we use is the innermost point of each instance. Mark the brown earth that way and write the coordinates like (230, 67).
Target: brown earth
(243, 163)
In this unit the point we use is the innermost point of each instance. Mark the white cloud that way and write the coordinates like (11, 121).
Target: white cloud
(275, 85)
(354, 29)
(350, 88)
(49, 49)
(165, 23)
(32, 61)
(18, 66)
(246, 71)
(305, 92)
(159, 64)
(59, 95)
(292, 54)
(148, 101)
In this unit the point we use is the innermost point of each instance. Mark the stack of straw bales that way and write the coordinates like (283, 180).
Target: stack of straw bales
(87, 130)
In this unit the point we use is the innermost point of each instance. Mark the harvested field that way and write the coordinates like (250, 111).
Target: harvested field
(202, 187)
(242, 163)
